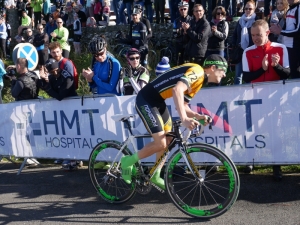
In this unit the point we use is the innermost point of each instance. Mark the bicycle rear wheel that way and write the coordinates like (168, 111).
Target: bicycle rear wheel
(105, 172)
(208, 198)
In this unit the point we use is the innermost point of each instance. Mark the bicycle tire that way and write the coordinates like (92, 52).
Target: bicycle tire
(207, 199)
(111, 188)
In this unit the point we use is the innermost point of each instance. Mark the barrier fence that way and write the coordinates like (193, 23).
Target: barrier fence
(252, 123)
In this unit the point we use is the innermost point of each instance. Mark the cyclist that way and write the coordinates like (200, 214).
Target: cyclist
(178, 33)
(182, 83)
(105, 72)
(135, 70)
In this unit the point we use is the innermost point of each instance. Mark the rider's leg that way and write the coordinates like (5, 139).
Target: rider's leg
(158, 145)
(156, 178)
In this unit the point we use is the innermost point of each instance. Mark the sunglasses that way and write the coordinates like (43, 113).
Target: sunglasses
(198, 10)
(219, 14)
(183, 9)
(40, 28)
(58, 22)
(248, 9)
(134, 58)
(99, 54)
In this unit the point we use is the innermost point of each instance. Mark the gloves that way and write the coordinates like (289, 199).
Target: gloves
(129, 72)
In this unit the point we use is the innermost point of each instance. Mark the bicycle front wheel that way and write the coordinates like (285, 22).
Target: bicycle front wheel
(105, 172)
(203, 198)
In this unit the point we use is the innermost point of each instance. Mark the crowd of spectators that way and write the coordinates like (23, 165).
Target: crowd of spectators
(197, 34)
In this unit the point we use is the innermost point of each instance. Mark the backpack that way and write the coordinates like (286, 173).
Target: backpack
(62, 66)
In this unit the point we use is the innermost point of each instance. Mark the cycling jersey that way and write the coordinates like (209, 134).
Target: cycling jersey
(191, 74)
(150, 101)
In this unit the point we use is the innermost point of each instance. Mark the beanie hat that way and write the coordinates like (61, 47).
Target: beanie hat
(216, 60)
(162, 66)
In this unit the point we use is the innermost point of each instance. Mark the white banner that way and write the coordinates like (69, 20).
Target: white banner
(258, 123)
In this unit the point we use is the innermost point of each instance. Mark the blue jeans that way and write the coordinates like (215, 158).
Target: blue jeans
(1, 94)
(238, 79)
(122, 14)
(116, 6)
(218, 52)
(149, 12)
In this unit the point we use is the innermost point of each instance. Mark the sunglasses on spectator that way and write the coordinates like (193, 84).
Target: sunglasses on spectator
(198, 10)
(134, 58)
(248, 9)
(220, 13)
(40, 28)
(99, 54)
(58, 22)
(183, 9)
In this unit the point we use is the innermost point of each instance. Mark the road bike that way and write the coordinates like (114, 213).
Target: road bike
(200, 179)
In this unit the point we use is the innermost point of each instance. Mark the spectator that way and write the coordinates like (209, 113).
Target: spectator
(198, 32)
(125, 4)
(219, 32)
(46, 10)
(137, 36)
(77, 34)
(28, 37)
(116, 7)
(61, 35)
(90, 8)
(159, 6)
(69, 18)
(230, 6)
(162, 66)
(25, 86)
(81, 16)
(242, 36)
(29, 9)
(136, 71)
(267, 7)
(56, 14)
(97, 11)
(2, 72)
(58, 83)
(21, 6)
(265, 61)
(149, 10)
(173, 7)
(91, 22)
(3, 37)
(41, 42)
(290, 37)
(104, 74)
(10, 4)
(211, 4)
(178, 33)
(50, 27)
(56, 52)
(8, 39)
(26, 23)
(278, 18)
(37, 11)
(58, 5)
(106, 11)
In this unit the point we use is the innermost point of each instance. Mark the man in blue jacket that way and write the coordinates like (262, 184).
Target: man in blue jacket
(106, 70)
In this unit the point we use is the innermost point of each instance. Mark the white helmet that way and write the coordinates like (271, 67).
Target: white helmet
(183, 4)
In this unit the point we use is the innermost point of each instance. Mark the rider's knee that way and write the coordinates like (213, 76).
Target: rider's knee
(161, 144)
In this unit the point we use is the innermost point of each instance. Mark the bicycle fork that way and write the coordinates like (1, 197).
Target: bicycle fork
(191, 166)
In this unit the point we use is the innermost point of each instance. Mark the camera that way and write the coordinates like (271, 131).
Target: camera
(10, 73)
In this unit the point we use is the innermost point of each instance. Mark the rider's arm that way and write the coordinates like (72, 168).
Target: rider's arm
(178, 96)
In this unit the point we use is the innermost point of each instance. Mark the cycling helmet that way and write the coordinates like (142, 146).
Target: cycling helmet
(51, 64)
(138, 6)
(183, 4)
(132, 51)
(96, 45)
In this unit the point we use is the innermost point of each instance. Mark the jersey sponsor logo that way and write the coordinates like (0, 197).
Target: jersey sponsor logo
(148, 116)
(166, 80)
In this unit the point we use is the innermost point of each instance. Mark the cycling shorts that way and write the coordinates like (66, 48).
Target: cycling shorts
(153, 110)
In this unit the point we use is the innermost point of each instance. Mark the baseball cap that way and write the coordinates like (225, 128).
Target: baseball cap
(216, 60)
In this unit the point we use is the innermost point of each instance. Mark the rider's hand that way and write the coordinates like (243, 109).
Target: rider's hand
(190, 123)
(203, 117)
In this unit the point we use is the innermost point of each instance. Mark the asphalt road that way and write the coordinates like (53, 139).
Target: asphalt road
(49, 195)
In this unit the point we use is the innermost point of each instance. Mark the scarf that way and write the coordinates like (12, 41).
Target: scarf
(246, 22)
